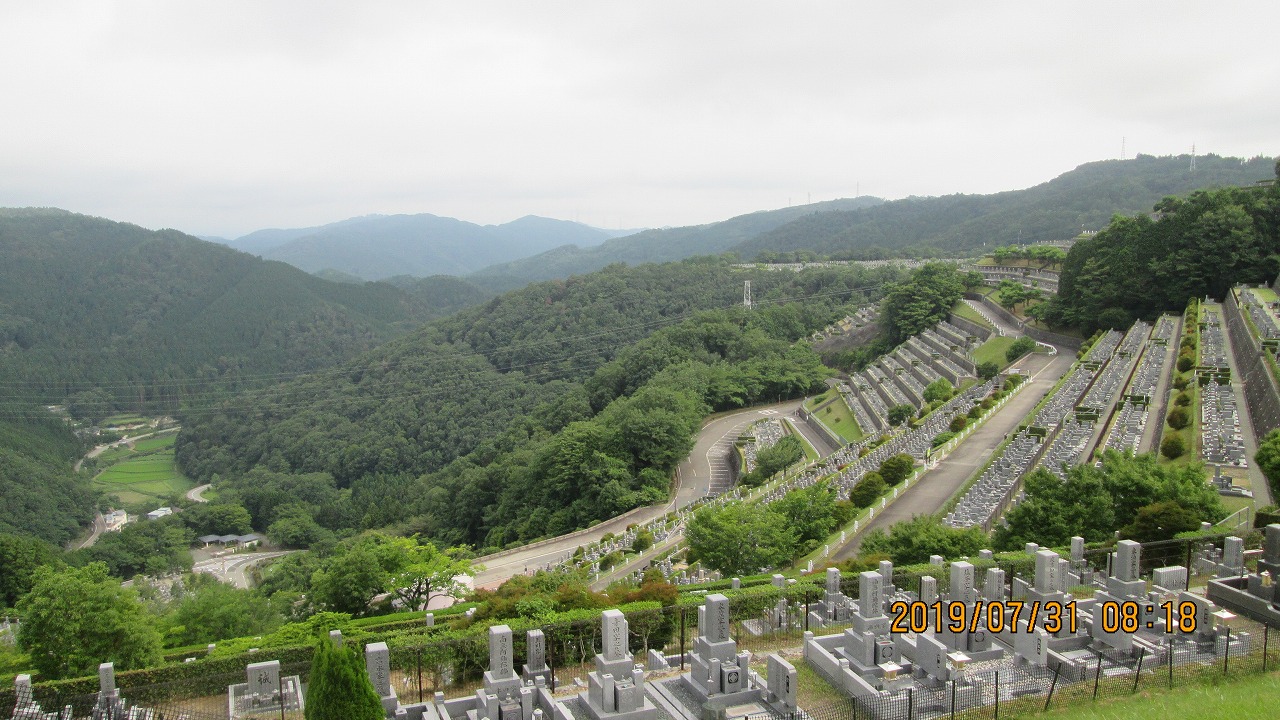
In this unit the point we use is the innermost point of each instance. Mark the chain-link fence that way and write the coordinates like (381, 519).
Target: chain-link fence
(763, 618)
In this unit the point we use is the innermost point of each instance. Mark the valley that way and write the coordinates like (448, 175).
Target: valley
(646, 437)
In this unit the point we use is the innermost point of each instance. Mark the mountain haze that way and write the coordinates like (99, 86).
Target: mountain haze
(662, 245)
(375, 247)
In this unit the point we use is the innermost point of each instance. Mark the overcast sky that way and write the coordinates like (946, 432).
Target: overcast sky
(219, 118)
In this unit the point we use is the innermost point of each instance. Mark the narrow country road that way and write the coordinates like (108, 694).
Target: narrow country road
(196, 494)
(694, 480)
(233, 568)
(937, 486)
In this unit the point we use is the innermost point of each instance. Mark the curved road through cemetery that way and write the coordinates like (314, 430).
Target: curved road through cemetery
(703, 472)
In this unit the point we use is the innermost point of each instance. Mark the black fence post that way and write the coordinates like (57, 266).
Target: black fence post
(280, 684)
(1188, 587)
(911, 697)
(1171, 651)
(418, 656)
(1266, 637)
(997, 695)
(1226, 651)
(1138, 674)
(1057, 669)
(953, 700)
(1097, 675)
(806, 610)
(682, 622)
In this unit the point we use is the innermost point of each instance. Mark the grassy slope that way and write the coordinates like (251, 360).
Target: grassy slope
(1249, 697)
(993, 350)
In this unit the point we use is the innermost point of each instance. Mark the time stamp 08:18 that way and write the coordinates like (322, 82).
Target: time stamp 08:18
(1004, 615)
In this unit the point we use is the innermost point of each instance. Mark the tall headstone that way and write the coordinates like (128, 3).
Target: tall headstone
(962, 581)
(615, 689)
(377, 662)
(870, 589)
(1128, 562)
(536, 651)
(783, 683)
(1233, 553)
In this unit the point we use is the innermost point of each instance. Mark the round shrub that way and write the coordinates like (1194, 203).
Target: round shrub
(1185, 363)
(1181, 382)
(1173, 447)
(1182, 400)
(1178, 418)
(958, 423)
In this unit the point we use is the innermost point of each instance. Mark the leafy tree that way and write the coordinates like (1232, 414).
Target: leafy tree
(1178, 418)
(340, 688)
(75, 618)
(939, 390)
(208, 610)
(958, 423)
(1173, 447)
(1161, 521)
(1185, 363)
(348, 582)
(19, 558)
(1182, 400)
(1020, 347)
(773, 459)
(1268, 459)
(1094, 502)
(421, 572)
(899, 414)
(911, 307)
(740, 538)
(868, 489)
(913, 541)
(219, 518)
(988, 369)
(811, 512)
(896, 468)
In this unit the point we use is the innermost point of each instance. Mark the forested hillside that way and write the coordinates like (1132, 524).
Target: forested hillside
(1084, 198)
(159, 318)
(41, 497)
(662, 245)
(1198, 245)
(545, 409)
(380, 246)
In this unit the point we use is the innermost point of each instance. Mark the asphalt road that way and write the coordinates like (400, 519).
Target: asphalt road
(937, 486)
(702, 471)
(233, 568)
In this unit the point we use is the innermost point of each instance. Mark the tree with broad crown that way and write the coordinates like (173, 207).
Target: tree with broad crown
(899, 414)
(340, 688)
(75, 618)
(895, 469)
(741, 538)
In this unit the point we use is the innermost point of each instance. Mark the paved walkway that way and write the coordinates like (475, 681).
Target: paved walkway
(936, 487)
(695, 478)
(1159, 408)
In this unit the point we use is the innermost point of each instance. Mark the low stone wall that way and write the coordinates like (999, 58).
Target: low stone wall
(980, 331)
(1044, 336)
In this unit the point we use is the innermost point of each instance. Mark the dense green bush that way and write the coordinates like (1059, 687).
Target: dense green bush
(1178, 418)
(339, 688)
(1173, 447)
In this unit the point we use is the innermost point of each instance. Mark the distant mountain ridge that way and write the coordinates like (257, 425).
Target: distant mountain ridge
(375, 247)
(662, 245)
(1084, 198)
(158, 316)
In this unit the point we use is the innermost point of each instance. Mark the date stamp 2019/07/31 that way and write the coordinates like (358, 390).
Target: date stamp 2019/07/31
(1005, 615)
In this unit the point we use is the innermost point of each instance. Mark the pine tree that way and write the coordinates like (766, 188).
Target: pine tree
(340, 688)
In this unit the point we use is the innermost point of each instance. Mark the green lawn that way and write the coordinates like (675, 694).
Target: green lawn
(123, 419)
(964, 310)
(993, 350)
(1266, 295)
(150, 477)
(155, 443)
(839, 418)
(1253, 696)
